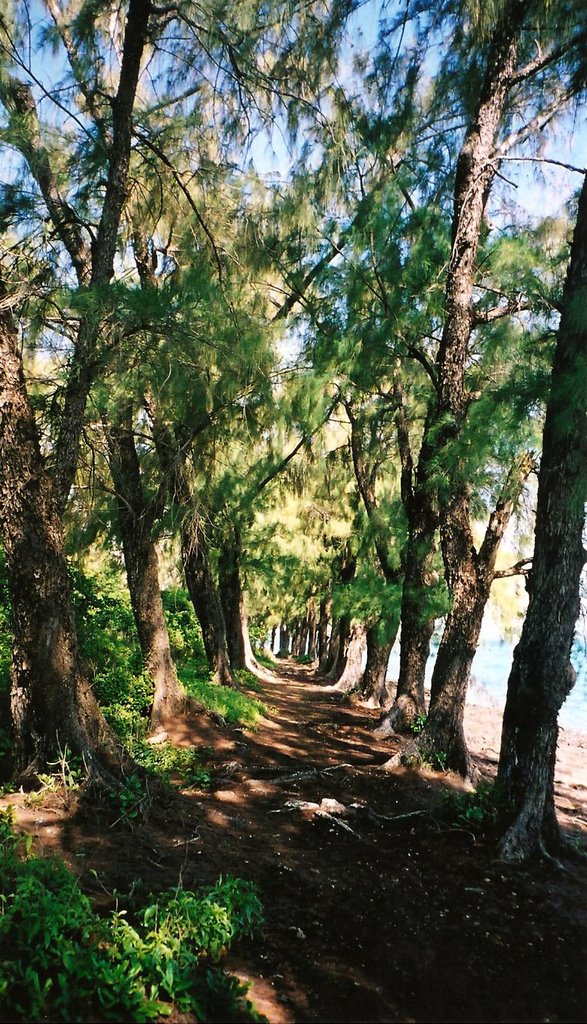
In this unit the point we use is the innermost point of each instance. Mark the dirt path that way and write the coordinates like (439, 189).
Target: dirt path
(376, 909)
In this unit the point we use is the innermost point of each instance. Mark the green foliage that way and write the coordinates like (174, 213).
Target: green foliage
(479, 810)
(60, 961)
(234, 707)
(164, 760)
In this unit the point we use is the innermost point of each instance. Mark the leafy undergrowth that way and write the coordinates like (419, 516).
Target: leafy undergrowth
(125, 692)
(235, 707)
(61, 961)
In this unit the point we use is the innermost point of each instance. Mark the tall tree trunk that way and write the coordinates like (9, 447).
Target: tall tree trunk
(204, 594)
(232, 598)
(470, 575)
(52, 703)
(135, 518)
(374, 685)
(542, 676)
(322, 636)
(475, 172)
(194, 548)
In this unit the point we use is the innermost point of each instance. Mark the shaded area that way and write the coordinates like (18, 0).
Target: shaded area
(383, 912)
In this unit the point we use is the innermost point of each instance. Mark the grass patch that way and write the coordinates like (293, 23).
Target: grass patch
(235, 707)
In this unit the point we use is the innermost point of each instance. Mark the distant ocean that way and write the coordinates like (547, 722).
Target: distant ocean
(491, 668)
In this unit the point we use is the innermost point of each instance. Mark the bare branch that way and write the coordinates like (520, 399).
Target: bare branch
(521, 568)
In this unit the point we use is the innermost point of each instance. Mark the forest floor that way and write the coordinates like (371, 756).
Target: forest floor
(378, 906)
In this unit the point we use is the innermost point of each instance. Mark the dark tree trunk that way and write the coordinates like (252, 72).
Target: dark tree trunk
(232, 599)
(194, 549)
(374, 686)
(323, 620)
(476, 169)
(542, 675)
(469, 576)
(273, 640)
(135, 518)
(351, 677)
(204, 594)
(284, 639)
(417, 619)
(338, 648)
(52, 703)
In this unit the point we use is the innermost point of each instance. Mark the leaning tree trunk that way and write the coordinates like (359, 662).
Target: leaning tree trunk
(374, 684)
(52, 704)
(204, 594)
(542, 675)
(135, 519)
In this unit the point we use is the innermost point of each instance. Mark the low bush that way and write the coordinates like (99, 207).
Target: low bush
(61, 961)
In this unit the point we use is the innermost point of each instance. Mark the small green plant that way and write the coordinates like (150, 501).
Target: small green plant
(60, 961)
(69, 772)
(418, 724)
(479, 810)
(164, 760)
(132, 799)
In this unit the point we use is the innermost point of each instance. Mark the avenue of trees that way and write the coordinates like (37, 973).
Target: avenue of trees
(324, 394)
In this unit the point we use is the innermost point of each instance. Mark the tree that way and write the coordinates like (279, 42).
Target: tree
(542, 676)
(51, 702)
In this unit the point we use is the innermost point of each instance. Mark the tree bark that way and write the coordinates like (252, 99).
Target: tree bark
(284, 639)
(232, 598)
(374, 685)
(469, 576)
(194, 549)
(323, 620)
(475, 172)
(204, 594)
(351, 677)
(135, 518)
(338, 648)
(542, 676)
(52, 703)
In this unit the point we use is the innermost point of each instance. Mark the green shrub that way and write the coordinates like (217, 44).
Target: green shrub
(479, 810)
(60, 961)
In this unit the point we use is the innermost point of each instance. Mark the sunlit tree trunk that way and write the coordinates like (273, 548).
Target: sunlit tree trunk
(542, 676)
(350, 678)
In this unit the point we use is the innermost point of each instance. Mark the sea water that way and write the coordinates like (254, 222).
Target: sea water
(489, 679)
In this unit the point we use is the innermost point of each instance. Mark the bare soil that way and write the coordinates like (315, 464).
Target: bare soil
(378, 908)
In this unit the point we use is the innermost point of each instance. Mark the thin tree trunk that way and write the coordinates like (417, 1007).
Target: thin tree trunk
(135, 519)
(542, 675)
(232, 598)
(204, 594)
(194, 549)
(52, 703)
(284, 639)
(323, 620)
